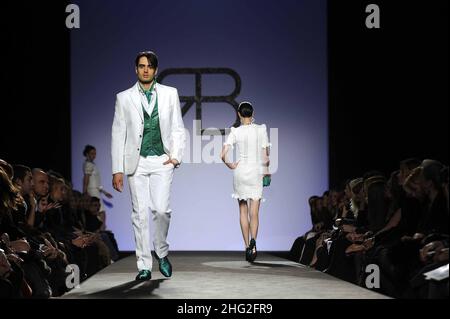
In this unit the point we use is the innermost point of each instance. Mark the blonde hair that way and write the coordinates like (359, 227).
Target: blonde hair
(10, 196)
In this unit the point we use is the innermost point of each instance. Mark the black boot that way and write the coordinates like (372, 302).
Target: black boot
(253, 252)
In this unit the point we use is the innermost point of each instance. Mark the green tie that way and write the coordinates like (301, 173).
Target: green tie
(148, 94)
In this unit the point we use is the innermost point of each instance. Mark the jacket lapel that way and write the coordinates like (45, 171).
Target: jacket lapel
(161, 100)
(162, 112)
(136, 99)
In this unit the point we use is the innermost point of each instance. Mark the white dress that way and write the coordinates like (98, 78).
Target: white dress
(251, 141)
(94, 185)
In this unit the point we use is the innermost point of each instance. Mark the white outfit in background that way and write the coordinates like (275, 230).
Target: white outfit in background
(95, 185)
(252, 141)
(148, 178)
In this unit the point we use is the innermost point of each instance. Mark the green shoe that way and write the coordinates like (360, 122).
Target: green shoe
(144, 275)
(165, 267)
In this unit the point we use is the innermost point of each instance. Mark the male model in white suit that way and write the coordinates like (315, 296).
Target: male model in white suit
(148, 140)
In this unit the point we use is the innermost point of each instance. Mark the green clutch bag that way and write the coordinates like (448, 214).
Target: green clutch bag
(266, 180)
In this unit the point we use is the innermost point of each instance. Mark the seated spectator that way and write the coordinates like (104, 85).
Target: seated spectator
(94, 224)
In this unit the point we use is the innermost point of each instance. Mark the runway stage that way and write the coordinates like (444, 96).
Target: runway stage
(219, 275)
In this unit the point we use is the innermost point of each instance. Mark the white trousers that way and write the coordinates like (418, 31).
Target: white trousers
(150, 188)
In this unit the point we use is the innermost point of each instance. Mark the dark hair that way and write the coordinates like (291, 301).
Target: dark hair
(444, 175)
(20, 171)
(245, 109)
(370, 174)
(377, 204)
(76, 193)
(312, 205)
(432, 171)
(394, 186)
(411, 163)
(87, 149)
(347, 183)
(151, 57)
(94, 199)
(312, 199)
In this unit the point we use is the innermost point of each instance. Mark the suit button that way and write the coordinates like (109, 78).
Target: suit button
(140, 135)
(138, 149)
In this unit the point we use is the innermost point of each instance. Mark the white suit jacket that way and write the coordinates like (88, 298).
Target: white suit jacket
(128, 127)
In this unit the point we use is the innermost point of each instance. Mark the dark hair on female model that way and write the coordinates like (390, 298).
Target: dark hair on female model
(87, 149)
(151, 57)
(245, 109)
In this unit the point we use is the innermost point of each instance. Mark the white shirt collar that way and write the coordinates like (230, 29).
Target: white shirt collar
(142, 91)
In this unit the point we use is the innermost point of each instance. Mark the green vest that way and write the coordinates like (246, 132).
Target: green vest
(151, 141)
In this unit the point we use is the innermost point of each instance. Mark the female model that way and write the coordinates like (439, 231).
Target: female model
(91, 181)
(248, 172)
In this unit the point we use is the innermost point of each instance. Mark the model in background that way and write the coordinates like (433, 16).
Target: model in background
(92, 184)
(251, 172)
